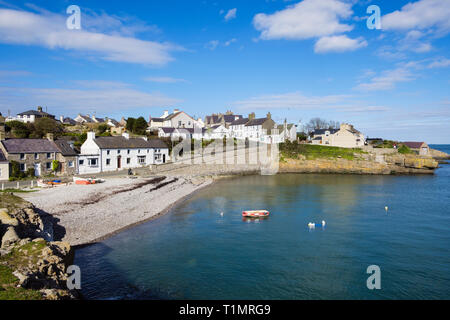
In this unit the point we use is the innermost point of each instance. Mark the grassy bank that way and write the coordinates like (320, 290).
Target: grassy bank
(311, 152)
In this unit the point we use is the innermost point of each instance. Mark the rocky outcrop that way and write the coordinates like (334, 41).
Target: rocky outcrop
(439, 155)
(365, 164)
(37, 262)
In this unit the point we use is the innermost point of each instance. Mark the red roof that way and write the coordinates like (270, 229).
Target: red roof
(413, 145)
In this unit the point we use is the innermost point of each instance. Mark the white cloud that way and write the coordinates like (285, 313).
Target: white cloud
(213, 44)
(289, 100)
(304, 20)
(388, 79)
(441, 63)
(231, 14)
(87, 96)
(227, 43)
(423, 14)
(338, 44)
(49, 30)
(164, 80)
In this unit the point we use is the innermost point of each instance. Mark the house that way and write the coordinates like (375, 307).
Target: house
(67, 121)
(216, 132)
(345, 137)
(100, 154)
(237, 128)
(323, 136)
(82, 119)
(4, 167)
(421, 147)
(97, 120)
(166, 132)
(155, 123)
(256, 129)
(287, 131)
(36, 154)
(31, 116)
(179, 119)
(221, 119)
(67, 157)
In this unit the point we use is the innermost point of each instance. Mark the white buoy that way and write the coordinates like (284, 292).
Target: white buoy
(311, 225)
(221, 214)
(323, 223)
(386, 208)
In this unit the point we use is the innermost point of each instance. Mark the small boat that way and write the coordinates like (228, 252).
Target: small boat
(87, 181)
(255, 214)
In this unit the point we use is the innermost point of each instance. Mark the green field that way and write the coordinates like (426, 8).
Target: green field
(294, 150)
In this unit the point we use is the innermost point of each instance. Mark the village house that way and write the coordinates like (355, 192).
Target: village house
(221, 119)
(179, 119)
(82, 119)
(67, 158)
(36, 154)
(31, 116)
(237, 128)
(216, 132)
(256, 129)
(345, 137)
(420, 147)
(101, 154)
(4, 167)
(67, 121)
(97, 120)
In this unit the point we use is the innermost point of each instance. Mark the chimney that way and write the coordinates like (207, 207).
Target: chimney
(269, 116)
(61, 119)
(39, 109)
(166, 114)
(251, 116)
(176, 111)
(91, 136)
(50, 137)
(126, 135)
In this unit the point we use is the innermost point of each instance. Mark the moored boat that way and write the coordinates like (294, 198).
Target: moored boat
(255, 214)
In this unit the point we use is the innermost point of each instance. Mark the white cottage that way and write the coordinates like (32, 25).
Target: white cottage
(101, 154)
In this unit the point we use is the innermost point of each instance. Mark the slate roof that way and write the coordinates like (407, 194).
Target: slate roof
(29, 146)
(114, 122)
(36, 113)
(157, 119)
(132, 143)
(230, 117)
(322, 131)
(413, 145)
(239, 122)
(173, 115)
(168, 130)
(256, 122)
(65, 148)
(69, 121)
(2, 157)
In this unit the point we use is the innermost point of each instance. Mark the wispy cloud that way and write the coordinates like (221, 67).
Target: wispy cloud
(231, 14)
(340, 43)
(388, 79)
(84, 96)
(49, 30)
(213, 44)
(164, 79)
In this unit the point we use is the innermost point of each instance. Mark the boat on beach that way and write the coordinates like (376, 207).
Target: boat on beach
(255, 214)
(86, 181)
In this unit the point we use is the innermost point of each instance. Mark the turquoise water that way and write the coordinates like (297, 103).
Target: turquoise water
(195, 253)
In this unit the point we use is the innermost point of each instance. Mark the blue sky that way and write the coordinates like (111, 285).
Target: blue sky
(296, 59)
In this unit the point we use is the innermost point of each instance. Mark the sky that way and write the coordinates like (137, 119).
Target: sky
(296, 59)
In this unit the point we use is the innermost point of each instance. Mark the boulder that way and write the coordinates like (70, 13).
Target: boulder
(10, 237)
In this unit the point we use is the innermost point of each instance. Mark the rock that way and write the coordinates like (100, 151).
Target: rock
(10, 237)
(6, 219)
(23, 279)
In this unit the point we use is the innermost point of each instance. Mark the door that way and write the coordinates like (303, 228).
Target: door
(119, 162)
(37, 169)
(164, 158)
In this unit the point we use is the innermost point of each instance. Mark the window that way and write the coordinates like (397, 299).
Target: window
(118, 151)
(128, 160)
(92, 162)
(139, 151)
(22, 156)
(141, 159)
(81, 162)
(179, 123)
(108, 162)
(70, 164)
(49, 155)
(48, 165)
(148, 150)
(36, 156)
(128, 152)
(22, 167)
(108, 152)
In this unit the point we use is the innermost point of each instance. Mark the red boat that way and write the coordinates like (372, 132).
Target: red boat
(255, 214)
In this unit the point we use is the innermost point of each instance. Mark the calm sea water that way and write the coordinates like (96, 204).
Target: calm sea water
(195, 253)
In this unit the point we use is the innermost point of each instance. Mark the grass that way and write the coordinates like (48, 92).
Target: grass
(12, 190)
(21, 256)
(311, 152)
(10, 201)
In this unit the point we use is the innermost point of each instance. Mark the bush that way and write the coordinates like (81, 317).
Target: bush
(404, 150)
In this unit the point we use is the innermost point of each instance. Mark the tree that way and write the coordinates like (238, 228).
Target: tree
(319, 123)
(42, 126)
(102, 129)
(130, 124)
(140, 126)
(18, 129)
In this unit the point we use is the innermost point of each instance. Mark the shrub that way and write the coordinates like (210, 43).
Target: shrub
(404, 149)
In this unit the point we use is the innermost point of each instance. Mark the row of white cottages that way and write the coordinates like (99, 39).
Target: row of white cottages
(263, 130)
(104, 154)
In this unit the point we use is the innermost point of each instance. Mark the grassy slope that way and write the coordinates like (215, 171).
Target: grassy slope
(311, 152)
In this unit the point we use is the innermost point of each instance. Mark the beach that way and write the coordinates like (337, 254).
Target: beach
(86, 214)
